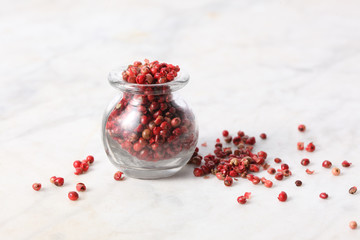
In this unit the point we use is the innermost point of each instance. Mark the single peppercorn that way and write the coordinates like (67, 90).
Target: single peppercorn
(77, 163)
(345, 164)
(268, 183)
(118, 176)
(298, 183)
(255, 180)
(59, 181)
(305, 161)
(326, 164)
(335, 171)
(220, 176)
(84, 166)
(263, 136)
(301, 127)
(279, 176)
(198, 172)
(228, 181)
(36, 186)
(353, 190)
(78, 171)
(300, 146)
(324, 195)
(282, 196)
(90, 159)
(225, 133)
(284, 166)
(80, 187)
(310, 147)
(277, 160)
(271, 171)
(73, 196)
(353, 225)
(241, 200)
(52, 179)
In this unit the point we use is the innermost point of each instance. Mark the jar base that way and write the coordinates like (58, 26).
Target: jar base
(150, 174)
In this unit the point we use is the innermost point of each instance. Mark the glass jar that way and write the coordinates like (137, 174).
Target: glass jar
(149, 131)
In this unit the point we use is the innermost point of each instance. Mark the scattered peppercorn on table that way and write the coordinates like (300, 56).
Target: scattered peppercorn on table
(276, 82)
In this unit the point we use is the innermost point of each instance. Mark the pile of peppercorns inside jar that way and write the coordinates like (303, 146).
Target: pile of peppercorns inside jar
(147, 122)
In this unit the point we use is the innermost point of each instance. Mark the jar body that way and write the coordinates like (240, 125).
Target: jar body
(149, 136)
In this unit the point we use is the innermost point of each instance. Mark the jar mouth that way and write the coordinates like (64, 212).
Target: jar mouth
(116, 80)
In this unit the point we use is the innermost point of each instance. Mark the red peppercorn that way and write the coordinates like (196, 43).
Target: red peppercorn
(250, 177)
(175, 122)
(36, 186)
(353, 190)
(277, 160)
(282, 196)
(85, 166)
(268, 183)
(254, 168)
(310, 147)
(271, 171)
(301, 127)
(73, 196)
(59, 181)
(323, 195)
(298, 183)
(118, 176)
(308, 171)
(225, 133)
(353, 225)
(138, 147)
(255, 180)
(80, 187)
(300, 146)
(228, 181)
(279, 176)
(326, 164)
(263, 136)
(77, 164)
(247, 195)
(335, 171)
(78, 171)
(345, 164)
(220, 176)
(241, 200)
(198, 172)
(90, 159)
(228, 139)
(262, 154)
(251, 141)
(305, 161)
(284, 166)
(52, 179)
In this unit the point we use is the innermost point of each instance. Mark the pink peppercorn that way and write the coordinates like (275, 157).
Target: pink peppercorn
(279, 176)
(324, 195)
(282, 196)
(241, 200)
(310, 147)
(305, 161)
(301, 127)
(228, 181)
(353, 225)
(263, 136)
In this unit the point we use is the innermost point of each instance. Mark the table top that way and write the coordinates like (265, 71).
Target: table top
(256, 66)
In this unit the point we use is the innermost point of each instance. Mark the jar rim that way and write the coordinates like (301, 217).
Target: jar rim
(116, 80)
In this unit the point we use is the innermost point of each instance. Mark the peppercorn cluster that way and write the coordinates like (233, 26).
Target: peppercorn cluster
(150, 72)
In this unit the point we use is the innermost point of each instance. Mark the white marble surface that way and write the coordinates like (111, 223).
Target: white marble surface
(259, 66)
